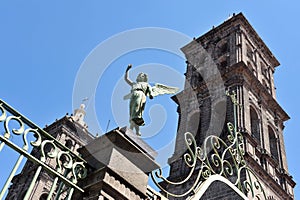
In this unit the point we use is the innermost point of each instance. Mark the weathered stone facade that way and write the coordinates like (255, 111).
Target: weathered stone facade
(229, 57)
(246, 66)
(120, 163)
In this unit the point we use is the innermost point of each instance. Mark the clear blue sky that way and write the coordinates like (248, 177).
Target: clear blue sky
(43, 44)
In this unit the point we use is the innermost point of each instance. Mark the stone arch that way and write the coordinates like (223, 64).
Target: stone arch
(193, 122)
(273, 143)
(255, 124)
(221, 182)
(43, 196)
(69, 143)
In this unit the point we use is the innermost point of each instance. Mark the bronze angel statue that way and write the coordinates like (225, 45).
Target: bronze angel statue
(139, 92)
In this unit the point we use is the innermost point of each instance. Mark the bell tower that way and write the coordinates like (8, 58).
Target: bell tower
(233, 57)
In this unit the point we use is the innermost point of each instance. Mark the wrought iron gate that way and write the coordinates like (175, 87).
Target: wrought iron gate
(65, 169)
(218, 159)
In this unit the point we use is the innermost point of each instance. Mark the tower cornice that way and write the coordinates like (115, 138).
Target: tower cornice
(240, 23)
(253, 84)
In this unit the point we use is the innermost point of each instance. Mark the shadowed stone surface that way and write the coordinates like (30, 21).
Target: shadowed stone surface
(120, 163)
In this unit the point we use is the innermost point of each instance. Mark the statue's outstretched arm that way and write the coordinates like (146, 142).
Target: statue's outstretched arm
(126, 76)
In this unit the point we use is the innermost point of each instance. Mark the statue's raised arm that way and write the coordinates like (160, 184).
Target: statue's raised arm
(126, 76)
(138, 95)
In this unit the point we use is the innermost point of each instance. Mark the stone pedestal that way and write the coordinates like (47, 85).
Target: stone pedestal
(119, 164)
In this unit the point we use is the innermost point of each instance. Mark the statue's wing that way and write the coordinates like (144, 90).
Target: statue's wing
(160, 89)
(127, 96)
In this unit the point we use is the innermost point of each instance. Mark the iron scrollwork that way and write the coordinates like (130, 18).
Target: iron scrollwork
(65, 164)
(217, 156)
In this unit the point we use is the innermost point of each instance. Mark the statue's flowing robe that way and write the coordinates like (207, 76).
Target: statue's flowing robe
(137, 101)
(137, 97)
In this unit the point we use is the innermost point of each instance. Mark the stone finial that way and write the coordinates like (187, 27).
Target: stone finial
(79, 115)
